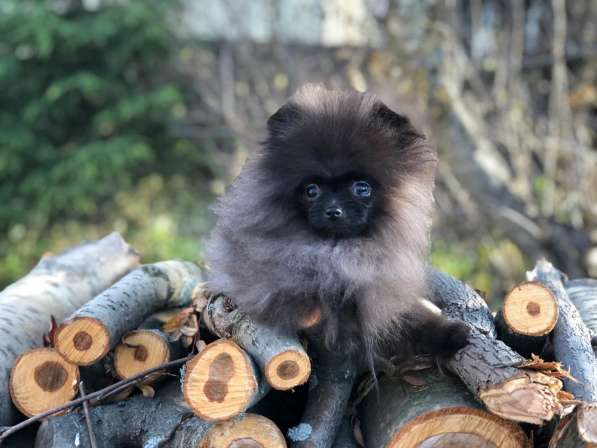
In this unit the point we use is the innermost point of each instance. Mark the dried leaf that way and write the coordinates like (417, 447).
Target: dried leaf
(50, 337)
(178, 321)
(147, 391)
(549, 368)
(200, 297)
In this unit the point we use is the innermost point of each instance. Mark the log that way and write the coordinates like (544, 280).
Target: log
(529, 313)
(281, 358)
(57, 286)
(149, 422)
(440, 413)
(577, 430)
(222, 381)
(247, 431)
(329, 391)
(571, 338)
(143, 349)
(344, 436)
(41, 380)
(89, 333)
(583, 294)
(487, 366)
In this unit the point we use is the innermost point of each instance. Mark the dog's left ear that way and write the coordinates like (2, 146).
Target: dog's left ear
(385, 117)
(281, 119)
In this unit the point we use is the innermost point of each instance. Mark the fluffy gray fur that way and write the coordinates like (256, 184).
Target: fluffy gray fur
(265, 257)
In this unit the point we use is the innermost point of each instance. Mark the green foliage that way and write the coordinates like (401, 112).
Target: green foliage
(86, 98)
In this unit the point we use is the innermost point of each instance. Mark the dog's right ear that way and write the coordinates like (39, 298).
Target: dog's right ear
(281, 120)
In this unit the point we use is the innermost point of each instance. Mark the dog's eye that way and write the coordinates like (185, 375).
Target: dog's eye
(361, 189)
(312, 191)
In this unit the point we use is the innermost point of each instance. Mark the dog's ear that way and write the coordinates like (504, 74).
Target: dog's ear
(384, 117)
(281, 120)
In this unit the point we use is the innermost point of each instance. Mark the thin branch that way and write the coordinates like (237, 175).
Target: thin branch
(87, 417)
(102, 393)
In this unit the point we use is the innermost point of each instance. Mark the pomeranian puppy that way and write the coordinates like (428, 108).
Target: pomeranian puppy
(332, 216)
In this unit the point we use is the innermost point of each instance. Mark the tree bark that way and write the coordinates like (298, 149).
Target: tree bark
(138, 421)
(583, 294)
(439, 413)
(344, 437)
(571, 338)
(89, 333)
(577, 430)
(487, 366)
(330, 387)
(281, 358)
(57, 286)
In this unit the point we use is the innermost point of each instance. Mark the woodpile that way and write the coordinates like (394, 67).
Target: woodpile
(528, 376)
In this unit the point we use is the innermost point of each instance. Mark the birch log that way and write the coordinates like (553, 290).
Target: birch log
(281, 358)
(438, 413)
(529, 313)
(89, 333)
(571, 338)
(487, 366)
(57, 286)
(145, 422)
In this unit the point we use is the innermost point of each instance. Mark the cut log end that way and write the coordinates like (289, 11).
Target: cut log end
(530, 398)
(140, 350)
(250, 431)
(83, 340)
(41, 379)
(458, 427)
(288, 369)
(587, 423)
(220, 382)
(530, 309)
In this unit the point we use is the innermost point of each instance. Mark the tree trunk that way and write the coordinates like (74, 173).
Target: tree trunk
(89, 333)
(440, 413)
(57, 286)
(222, 381)
(571, 338)
(487, 366)
(281, 358)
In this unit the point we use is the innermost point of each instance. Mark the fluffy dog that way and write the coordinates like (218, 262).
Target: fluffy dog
(332, 215)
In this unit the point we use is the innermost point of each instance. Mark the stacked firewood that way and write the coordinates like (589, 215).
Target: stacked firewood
(158, 361)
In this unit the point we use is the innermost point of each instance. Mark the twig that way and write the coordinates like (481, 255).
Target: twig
(87, 417)
(102, 393)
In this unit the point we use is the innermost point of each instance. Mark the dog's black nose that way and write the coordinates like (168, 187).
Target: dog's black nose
(334, 213)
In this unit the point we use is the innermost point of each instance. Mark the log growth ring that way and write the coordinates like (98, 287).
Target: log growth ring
(82, 340)
(530, 309)
(288, 369)
(219, 382)
(140, 350)
(445, 426)
(40, 380)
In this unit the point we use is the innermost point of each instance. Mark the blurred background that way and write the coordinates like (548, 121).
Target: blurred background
(134, 115)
